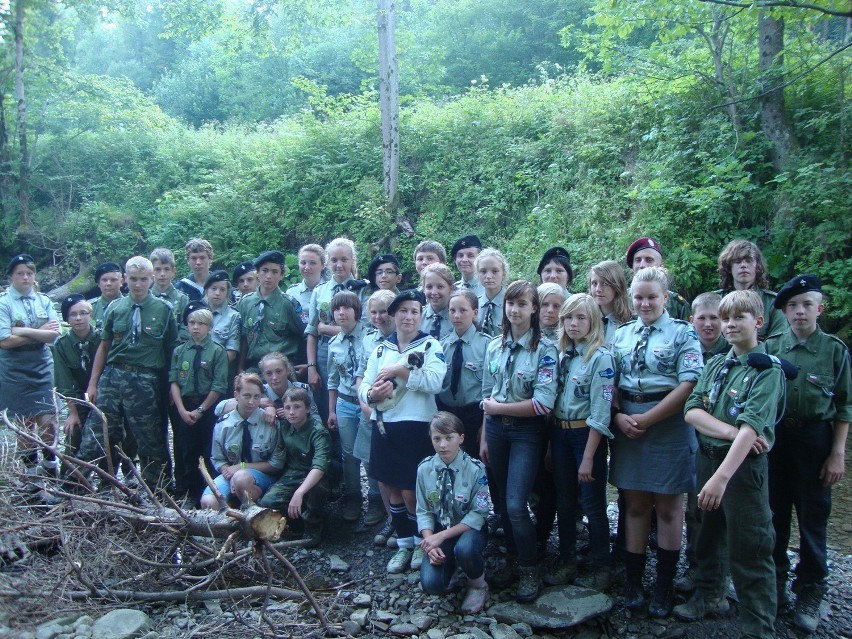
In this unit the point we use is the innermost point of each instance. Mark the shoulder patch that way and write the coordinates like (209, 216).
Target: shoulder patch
(440, 356)
(607, 373)
(547, 360)
(680, 321)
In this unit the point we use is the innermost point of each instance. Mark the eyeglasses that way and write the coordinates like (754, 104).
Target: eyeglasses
(79, 314)
(386, 273)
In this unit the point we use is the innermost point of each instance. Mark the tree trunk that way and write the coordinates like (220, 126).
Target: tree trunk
(773, 114)
(7, 182)
(389, 103)
(24, 171)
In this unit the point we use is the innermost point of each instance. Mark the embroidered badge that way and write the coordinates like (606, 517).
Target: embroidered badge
(692, 334)
(492, 367)
(481, 500)
(547, 360)
(440, 356)
(434, 496)
(608, 392)
(733, 411)
(691, 360)
(545, 375)
(607, 373)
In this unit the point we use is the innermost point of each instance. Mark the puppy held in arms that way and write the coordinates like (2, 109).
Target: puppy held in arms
(415, 360)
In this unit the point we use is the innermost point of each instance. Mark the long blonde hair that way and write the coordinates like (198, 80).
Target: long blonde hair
(612, 274)
(596, 335)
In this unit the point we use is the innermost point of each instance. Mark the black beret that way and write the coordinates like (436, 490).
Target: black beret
(381, 258)
(558, 254)
(68, 302)
(23, 258)
(411, 295)
(106, 267)
(241, 269)
(468, 241)
(194, 305)
(640, 244)
(216, 276)
(276, 257)
(800, 284)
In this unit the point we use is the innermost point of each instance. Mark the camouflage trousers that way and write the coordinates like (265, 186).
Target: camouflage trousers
(313, 506)
(130, 400)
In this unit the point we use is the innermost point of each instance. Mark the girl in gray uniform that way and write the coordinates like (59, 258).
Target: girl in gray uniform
(437, 282)
(519, 388)
(608, 285)
(492, 270)
(653, 453)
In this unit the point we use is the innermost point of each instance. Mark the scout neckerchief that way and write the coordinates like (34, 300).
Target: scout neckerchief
(196, 365)
(446, 480)
(351, 357)
(488, 320)
(719, 381)
(436, 327)
(28, 307)
(640, 348)
(85, 358)
(245, 448)
(456, 368)
(135, 324)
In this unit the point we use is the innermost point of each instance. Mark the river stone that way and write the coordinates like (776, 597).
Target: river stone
(360, 616)
(351, 628)
(336, 564)
(362, 600)
(403, 629)
(502, 631)
(422, 621)
(560, 607)
(124, 623)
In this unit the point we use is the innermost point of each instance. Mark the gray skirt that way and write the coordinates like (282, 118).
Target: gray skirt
(26, 381)
(661, 461)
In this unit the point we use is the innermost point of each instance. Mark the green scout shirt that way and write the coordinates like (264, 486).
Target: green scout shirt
(822, 389)
(747, 396)
(515, 373)
(304, 449)
(471, 498)
(212, 374)
(226, 328)
(490, 316)
(281, 329)
(99, 309)
(586, 388)
(319, 308)
(228, 441)
(276, 398)
(157, 336)
(342, 368)
(720, 346)
(72, 361)
(428, 319)
(178, 300)
(473, 345)
(774, 320)
(672, 355)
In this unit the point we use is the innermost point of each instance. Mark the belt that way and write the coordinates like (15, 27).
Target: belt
(792, 422)
(718, 453)
(572, 424)
(132, 368)
(642, 398)
(516, 421)
(348, 398)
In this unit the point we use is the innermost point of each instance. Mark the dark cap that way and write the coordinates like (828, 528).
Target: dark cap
(23, 258)
(468, 241)
(800, 284)
(216, 276)
(411, 295)
(381, 258)
(275, 257)
(194, 305)
(241, 269)
(106, 267)
(557, 254)
(642, 243)
(68, 302)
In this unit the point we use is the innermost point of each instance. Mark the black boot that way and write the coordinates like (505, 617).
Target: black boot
(634, 595)
(663, 600)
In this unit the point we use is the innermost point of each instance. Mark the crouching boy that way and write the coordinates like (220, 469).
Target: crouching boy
(303, 445)
(734, 407)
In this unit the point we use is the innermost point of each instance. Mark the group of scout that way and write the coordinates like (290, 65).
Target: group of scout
(214, 331)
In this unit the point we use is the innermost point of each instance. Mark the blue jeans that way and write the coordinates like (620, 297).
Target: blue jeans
(466, 551)
(347, 425)
(513, 451)
(566, 451)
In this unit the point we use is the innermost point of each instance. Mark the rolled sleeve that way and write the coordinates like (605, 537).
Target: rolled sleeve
(601, 393)
(761, 408)
(689, 359)
(321, 441)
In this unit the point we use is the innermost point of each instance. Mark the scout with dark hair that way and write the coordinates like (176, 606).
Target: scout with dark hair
(463, 254)
(109, 279)
(645, 252)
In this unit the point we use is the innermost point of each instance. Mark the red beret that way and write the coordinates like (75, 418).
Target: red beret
(642, 243)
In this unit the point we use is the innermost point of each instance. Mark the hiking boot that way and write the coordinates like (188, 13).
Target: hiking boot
(417, 558)
(600, 579)
(564, 572)
(698, 607)
(384, 533)
(686, 582)
(375, 511)
(400, 560)
(503, 576)
(808, 608)
(634, 596)
(529, 584)
(662, 602)
(351, 507)
(474, 600)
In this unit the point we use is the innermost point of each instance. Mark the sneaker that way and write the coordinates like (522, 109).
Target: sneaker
(417, 558)
(400, 560)
(351, 507)
(384, 533)
(808, 609)
(375, 511)
(474, 600)
(600, 580)
(529, 584)
(698, 607)
(564, 572)
(686, 582)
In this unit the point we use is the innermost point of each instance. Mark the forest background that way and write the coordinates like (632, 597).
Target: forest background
(130, 124)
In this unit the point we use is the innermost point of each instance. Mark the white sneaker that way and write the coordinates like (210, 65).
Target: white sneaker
(417, 558)
(400, 560)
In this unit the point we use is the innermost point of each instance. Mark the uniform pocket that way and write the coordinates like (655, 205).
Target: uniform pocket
(582, 385)
(824, 382)
(664, 360)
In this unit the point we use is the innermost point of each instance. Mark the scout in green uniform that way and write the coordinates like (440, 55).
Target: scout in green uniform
(608, 286)
(437, 283)
(742, 267)
(463, 254)
(245, 448)
(198, 378)
(809, 453)
(492, 270)
(270, 319)
(164, 272)
(555, 266)
(137, 340)
(304, 445)
(646, 252)
(109, 280)
(734, 408)
(73, 356)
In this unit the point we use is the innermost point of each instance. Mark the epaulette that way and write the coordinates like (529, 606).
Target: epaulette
(301, 385)
(837, 339)
(627, 323)
(774, 335)
(680, 321)
(425, 459)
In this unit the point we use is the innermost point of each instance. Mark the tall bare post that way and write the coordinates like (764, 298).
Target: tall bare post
(389, 102)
